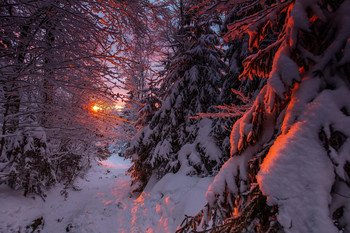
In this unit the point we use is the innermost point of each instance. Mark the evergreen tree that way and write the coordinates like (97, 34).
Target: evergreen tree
(237, 93)
(289, 170)
(172, 141)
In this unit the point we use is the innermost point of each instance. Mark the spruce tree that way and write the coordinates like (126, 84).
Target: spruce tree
(172, 141)
(289, 165)
(236, 93)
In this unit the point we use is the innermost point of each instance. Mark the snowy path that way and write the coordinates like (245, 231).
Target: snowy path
(105, 193)
(105, 204)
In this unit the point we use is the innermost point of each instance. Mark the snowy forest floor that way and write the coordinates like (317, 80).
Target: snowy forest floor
(105, 204)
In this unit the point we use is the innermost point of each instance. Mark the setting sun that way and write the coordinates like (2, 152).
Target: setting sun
(96, 108)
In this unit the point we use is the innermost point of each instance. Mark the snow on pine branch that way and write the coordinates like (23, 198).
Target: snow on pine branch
(257, 25)
(293, 141)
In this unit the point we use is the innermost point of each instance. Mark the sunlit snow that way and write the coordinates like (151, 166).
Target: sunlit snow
(105, 203)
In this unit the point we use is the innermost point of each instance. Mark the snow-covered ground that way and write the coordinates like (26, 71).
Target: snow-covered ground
(105, 204)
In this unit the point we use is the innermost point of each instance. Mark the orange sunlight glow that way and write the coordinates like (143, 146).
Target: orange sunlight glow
(96, 108)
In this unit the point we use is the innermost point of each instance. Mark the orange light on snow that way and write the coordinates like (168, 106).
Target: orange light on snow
(236, 212)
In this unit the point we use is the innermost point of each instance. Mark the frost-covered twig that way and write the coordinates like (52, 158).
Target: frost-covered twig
(232, 110)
